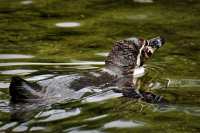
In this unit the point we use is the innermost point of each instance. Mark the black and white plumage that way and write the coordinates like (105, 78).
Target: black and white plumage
(125, 56)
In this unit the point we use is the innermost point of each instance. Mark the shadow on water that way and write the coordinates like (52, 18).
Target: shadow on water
(41, 40)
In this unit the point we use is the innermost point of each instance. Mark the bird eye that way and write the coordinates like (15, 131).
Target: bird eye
(156, 43)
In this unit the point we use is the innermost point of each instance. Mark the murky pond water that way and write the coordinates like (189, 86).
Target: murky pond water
(43, 39)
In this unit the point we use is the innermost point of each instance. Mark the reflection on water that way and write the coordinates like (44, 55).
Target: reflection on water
(123, 124)
(26, 2)
(20, 128)
(143, 1)
(102, 96)
(84, 67)
(104, 54)
(17, 72)
(183, 83)
(137, 17)
(67, 24)
(74, 128)
(51, 64)
(65, 28)
(40, 77)
(96, 118)
(37, 128)
(54, 115)
(62, 114)
(85, 131)
(8, 125)
(4, 85)
(190, 110)
(15, 56)
(4, 106)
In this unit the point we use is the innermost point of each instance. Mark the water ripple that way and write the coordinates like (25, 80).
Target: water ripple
(96, 117)
(190, 110)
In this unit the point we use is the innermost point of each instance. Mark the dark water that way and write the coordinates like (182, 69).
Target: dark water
(41, 39)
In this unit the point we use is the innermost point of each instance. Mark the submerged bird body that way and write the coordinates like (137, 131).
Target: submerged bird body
(124, 58)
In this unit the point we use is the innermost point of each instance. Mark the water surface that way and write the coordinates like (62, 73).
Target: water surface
(43, 39)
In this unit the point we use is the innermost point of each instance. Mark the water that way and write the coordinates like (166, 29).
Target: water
(43, 39)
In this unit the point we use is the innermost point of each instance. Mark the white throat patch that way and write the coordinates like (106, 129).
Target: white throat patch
(139, 54)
